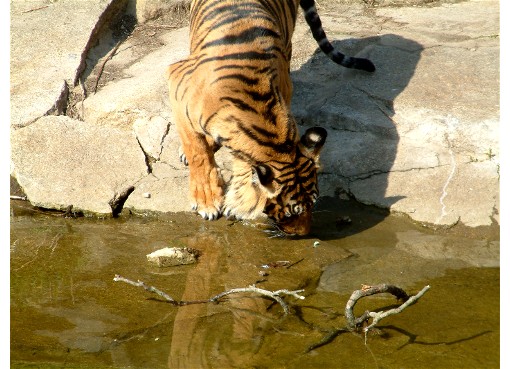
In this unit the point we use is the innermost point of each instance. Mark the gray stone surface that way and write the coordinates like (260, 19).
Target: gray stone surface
(414, 256)
(81, 165)
(419, 136)
(49, 41)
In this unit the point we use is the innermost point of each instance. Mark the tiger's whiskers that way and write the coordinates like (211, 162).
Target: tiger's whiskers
(275, 233)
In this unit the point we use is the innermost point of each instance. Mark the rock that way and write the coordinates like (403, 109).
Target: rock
(172, 256)
(412, 257)
(151, 133)
(419, 136)
(49, 43)
(476, 253)
(59, 162)
(139, 93)
(168, 189)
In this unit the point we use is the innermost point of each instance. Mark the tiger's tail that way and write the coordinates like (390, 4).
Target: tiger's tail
(314, 21)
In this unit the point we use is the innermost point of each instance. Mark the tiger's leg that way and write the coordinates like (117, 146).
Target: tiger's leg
(206, 183)
(182, 155)
(196, 151)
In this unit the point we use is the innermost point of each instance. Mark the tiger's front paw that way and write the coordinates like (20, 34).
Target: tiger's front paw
(209, 213)
(207, 196)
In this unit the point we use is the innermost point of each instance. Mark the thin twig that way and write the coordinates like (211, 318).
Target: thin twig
(148, 288)
(101, 67)
(163, 26)
(275, 295)
(34, 9)
(352, 322)
(295, 263)
(23, 198)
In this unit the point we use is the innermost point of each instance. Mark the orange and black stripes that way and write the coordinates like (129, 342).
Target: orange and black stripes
(234, 90)
(314, 21)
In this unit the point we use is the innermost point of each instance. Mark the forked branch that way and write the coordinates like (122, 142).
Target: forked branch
(400, 294)
(275, 295)
(353, 323)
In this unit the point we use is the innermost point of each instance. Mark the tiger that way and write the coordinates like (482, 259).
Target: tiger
(234, 90)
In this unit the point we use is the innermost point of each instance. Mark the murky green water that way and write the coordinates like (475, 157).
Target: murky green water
(67, 312)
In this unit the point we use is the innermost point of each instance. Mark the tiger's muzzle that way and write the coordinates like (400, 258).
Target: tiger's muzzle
(297, 225)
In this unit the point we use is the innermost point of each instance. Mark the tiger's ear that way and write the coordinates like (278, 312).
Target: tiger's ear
(312, 141)
(263, 175)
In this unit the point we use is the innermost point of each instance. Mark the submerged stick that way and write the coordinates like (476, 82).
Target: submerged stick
(383, 314)
(400, 294)
(275, 295)
(354, 323)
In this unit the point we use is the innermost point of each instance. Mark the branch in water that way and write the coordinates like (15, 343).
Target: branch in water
(275, 295)
(400, 294)
(353, 323)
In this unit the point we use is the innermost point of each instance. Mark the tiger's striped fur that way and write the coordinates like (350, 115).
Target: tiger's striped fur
(234, 90)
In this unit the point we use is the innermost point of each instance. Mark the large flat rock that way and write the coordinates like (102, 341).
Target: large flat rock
(59, 161)
(419, 136)
(414, 257)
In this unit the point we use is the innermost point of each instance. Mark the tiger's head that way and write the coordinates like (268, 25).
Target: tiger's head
(284, 191)
(291, 208)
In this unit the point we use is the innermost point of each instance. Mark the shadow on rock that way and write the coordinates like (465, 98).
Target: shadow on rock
(356, 108)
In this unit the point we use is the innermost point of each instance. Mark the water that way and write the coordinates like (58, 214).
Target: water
(67, 312)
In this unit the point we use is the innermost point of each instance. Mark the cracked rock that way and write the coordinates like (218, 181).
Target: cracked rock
(59, 161)
(418, 136)
(47, 48)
